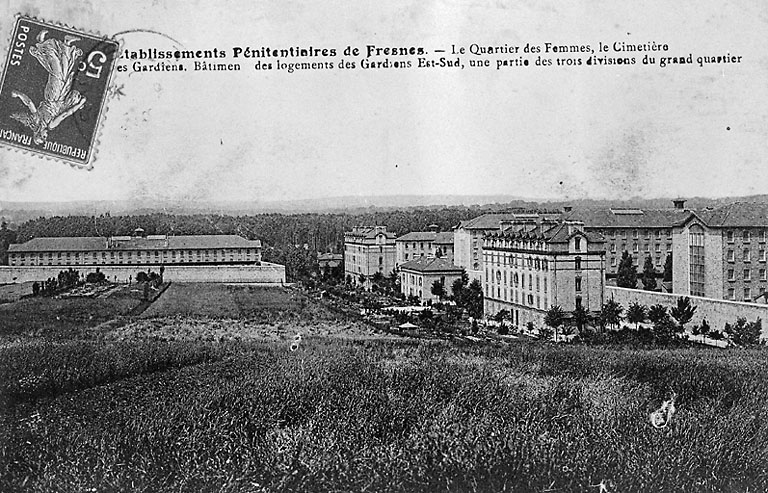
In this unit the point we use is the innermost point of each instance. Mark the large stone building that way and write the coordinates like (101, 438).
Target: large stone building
(368, 250)
(468, 237)
(530, 267)
(721, 253)
(640, 232)
(417, 244)
(196, 258)
(417, 277)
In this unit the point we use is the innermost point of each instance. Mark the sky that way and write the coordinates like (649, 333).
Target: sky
(535, 132)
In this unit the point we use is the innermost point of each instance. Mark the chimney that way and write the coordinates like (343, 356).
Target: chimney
(434, 228)
(679, 203)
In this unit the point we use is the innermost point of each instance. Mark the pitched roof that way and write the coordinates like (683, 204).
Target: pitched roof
(736, 215)
(430, 264)
(444, 238)
(418, 236)
(369, 232)
(558, 233)
(629, 218)
(488, 221)
(91, 243)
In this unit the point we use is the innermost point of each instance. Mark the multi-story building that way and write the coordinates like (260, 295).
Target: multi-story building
(418, 276)
(528, 269)
(640, 232)
(417, 244)
(138, 250)
(721, 253)
(194, 258)
(368, 250)
(468, 237)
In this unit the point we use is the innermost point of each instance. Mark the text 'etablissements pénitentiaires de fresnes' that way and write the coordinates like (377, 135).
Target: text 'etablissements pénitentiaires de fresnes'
(453, 56)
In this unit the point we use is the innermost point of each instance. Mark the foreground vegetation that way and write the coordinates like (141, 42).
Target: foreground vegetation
(387, 416)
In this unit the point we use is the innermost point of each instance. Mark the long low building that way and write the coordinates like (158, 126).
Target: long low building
(193, 258)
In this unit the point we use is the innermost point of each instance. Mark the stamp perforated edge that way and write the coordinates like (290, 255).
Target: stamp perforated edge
(103, 109)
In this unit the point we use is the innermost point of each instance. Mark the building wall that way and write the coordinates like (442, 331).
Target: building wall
(462, 254)
(266, 273)
(733, 245)
(135, 257)
(409, 250)
(361, 256)
(420, 284)
(717, 312)
(639, 242)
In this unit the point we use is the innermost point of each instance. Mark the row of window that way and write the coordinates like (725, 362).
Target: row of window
(637, 233)
(746, 235)
(747, 275)
(636, 247)
(746, 255)
(731, 293)
(514, 296)
(513, 260)
(148, 256)
(500, 278)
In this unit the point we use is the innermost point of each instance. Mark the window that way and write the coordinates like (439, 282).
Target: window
(729, 236)
(747, 256)
(761, 235)
(577, 243)
(762, 274)
(730, 256)
(578, 284)
(613, 262)
(747, 294)
(658, 248)
(658, 234)
(731, 275)
(730, 294)
(634, 233)
(635, 248)
(747, 274)
(577, 263)
(745, 236)
(761, 255)
(613, 247)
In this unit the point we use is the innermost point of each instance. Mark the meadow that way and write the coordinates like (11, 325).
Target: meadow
(350, 415)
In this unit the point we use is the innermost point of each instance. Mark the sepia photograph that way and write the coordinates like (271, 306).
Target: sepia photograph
(436, 246)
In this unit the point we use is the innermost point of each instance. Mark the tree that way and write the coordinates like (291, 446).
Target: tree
(554, 318)
(378, 277)
(636, 314)
(458, 286)
(361, 279)
(649, 275)
(683, 312)
(704, 328)
(580, 317)
(668, 268)
(657, 312)
(500, 317)
(611, 313)
(743, 332)
(438, 289)
(626, 275)
(472, 299)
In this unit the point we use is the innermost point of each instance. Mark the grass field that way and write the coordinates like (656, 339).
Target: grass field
(341, 415)
(63, 317)
(223, 301)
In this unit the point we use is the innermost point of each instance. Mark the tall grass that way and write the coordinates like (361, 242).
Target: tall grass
(383, 416)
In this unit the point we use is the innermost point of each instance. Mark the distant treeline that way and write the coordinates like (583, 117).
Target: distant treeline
(320, 232)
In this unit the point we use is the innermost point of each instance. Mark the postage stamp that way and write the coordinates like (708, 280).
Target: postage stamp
(54, 89)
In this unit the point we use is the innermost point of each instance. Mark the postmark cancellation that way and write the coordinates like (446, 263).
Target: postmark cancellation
(53, 90)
